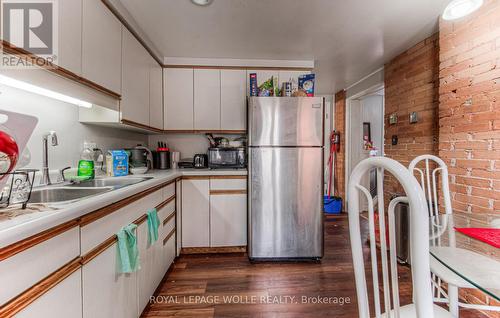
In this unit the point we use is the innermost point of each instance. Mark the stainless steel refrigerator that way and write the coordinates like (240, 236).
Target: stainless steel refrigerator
(285, 165)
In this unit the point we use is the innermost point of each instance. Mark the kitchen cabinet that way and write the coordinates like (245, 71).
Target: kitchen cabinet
(178, 91)
(233, 103)
(50, 304)
(69, 55)
(228, 220)
(207, 93)
(195, 213)
(101, 45)
(107, 293)
(262, 76)
(134, 105)
(155, 94)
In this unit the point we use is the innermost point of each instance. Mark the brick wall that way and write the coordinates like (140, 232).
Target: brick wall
(340, 105)
(411, 85)
(469, 112)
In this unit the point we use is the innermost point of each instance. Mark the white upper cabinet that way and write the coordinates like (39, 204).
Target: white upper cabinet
(207, 97)
(262, 76)
(135, 80)
(101, 46)
(70, 35)
(233, 101)
(178, 92)
(155, 95)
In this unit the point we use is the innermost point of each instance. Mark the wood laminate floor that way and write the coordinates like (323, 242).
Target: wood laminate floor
(230, 286)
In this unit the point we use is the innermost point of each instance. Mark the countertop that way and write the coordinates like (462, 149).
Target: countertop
(25, 224)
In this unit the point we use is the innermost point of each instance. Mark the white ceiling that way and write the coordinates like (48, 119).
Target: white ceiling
(348, 39)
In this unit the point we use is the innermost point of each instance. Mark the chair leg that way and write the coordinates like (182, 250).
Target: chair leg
(453, 297)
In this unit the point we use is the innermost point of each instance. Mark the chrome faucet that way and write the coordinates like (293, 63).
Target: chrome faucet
(45, 169)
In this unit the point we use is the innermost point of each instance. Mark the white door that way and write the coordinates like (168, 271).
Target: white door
(107, 293)
(135, 84)
(233, 100)
(178, 93)
(101, 45)
(195, 213)
(62, 301)
(228, 220)
(70, 35)
(207, 99)
(155, 95)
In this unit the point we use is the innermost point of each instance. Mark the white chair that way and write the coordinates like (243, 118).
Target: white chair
(428, 176)
(423, 306)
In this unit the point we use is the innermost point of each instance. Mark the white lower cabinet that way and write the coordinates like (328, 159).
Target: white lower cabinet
(107, 293)
(195, 213)
(228, 220)
(62, 301)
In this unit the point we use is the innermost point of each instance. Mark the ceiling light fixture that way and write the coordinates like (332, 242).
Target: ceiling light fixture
(202, 2)
(42, 91)
(460, 8)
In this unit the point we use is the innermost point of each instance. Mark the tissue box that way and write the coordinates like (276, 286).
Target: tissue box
(117, 163)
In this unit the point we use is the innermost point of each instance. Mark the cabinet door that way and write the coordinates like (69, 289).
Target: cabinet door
(155, 95)
(107, 293)
(206, 99)
(101, 45)
(233, 101)
(228, 220)
(195, 213)
(178, 90)
(285, 76)
(178, 217)
(262, 76)
(135, 80)
(62, 301)
(70, 35)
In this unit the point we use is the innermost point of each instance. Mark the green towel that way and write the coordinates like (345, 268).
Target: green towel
(153, 224)
(127, 249)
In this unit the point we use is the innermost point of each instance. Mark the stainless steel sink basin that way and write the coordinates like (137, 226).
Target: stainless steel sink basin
(51, 195)
(108, 182)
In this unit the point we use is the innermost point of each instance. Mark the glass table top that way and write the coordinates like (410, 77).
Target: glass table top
(476, 262)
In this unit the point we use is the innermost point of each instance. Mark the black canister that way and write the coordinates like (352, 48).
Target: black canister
(161, 160)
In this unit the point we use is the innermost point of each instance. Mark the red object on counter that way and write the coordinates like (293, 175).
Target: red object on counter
(486, 235)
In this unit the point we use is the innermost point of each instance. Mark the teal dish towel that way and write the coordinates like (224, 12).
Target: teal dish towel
(153, 225)
(127, 249)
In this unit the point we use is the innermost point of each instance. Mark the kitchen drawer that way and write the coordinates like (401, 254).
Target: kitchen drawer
(100, 230)
(28, 267)
(228, 184)
(168, 191)
(170, 225)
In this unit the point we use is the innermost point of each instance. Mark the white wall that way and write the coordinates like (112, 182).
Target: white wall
(63, 118)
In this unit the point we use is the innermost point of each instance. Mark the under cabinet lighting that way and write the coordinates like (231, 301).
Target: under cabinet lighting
(42, 91)
(460, 8)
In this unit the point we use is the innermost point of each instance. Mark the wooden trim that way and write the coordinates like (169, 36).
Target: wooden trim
(134, 33)
(168, 237)
(217, 67)
(58, 70)
(18, 247)
(213, 250)
(99, 249)
(215, 131)
(23, 300)
(168, 218)
(165, 203)
(195, 177)
(141, 126)
(140, 220)
(227, 192)
(100, 213)
(241, 177)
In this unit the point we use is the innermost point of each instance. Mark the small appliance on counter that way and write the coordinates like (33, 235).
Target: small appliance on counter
(140, 159)
(200, 161)
(228, 158)
(185, 163)
(161, 157)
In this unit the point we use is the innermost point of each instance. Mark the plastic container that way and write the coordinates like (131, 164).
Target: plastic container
(333, 205)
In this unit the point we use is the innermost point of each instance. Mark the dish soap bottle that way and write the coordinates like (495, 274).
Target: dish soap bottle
(86, 164)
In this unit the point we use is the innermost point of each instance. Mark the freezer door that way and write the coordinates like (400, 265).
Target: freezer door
(285, 121)
(285, 203)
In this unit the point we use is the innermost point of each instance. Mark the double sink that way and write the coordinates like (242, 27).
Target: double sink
(85, 189)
